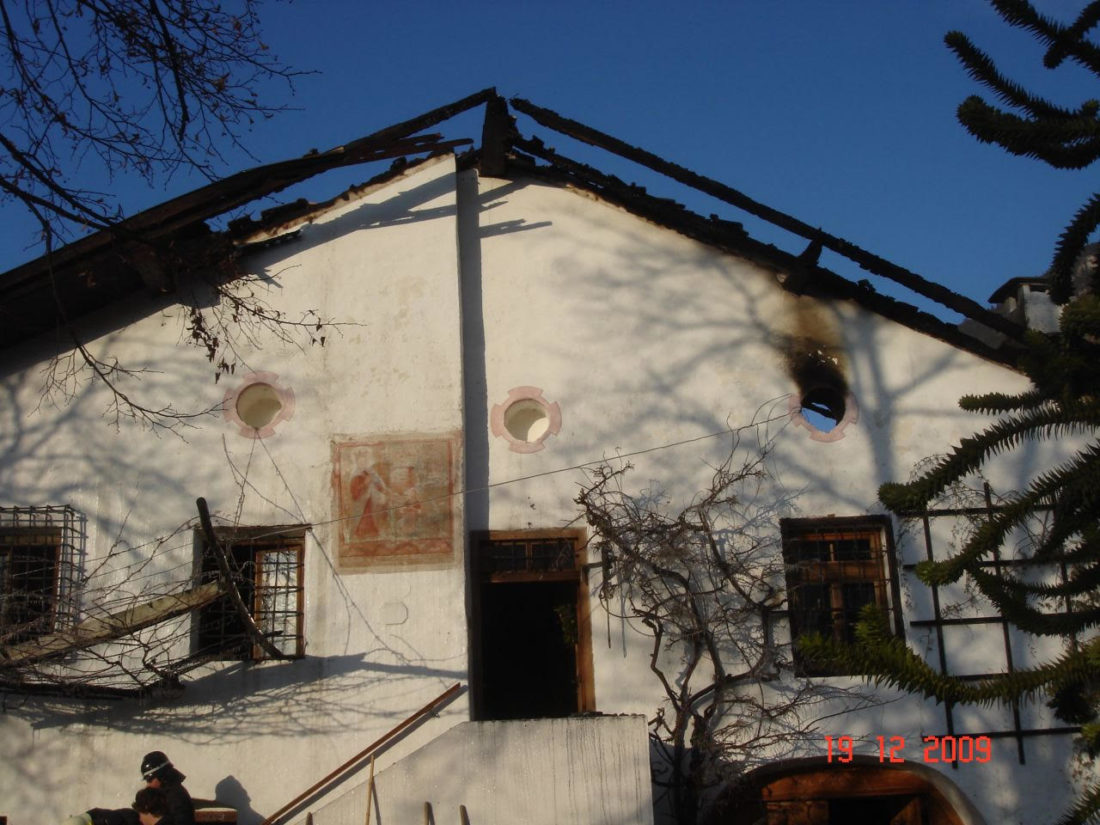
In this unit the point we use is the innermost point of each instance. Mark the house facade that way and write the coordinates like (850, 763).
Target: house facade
(391, 472)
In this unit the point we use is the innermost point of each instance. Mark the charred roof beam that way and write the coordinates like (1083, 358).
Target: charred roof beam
(731, 237)
(866, 260)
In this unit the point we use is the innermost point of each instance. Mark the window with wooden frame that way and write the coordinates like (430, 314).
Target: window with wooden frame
(266, 564)
(531, 647)
(36, 571)
(835, 567)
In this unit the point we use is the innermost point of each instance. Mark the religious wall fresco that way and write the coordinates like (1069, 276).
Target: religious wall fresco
(394, 499)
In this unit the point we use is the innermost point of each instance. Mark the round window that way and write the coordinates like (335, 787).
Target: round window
(823, 408)
(825, 411)
(525, 419)
(258, 404)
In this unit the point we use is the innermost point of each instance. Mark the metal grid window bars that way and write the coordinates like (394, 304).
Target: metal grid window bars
(39, 552)
(941, 622)
(267, 566)
(835, 567)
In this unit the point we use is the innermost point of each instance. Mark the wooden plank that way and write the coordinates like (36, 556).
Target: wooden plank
(370, 790)
(841, 782)
(371, 749)
(114, 626)
(230, 588)
(208, 816)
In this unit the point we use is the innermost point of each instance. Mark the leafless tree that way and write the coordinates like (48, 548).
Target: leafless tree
(97, 90)
(145, 86)
(707, 584)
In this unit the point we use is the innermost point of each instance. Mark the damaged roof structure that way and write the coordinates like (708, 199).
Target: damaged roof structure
(149, 250)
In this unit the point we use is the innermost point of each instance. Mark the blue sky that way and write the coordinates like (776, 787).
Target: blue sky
(840, 113)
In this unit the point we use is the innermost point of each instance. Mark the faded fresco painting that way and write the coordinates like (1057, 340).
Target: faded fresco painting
(394, 500)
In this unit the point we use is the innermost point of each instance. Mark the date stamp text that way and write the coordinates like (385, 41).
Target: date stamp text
(892, 749)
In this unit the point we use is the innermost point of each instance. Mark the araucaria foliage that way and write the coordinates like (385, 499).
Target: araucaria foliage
(1032, 126)
(1061, 404)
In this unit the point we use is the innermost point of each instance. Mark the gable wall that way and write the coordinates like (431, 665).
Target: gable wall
(449, 292)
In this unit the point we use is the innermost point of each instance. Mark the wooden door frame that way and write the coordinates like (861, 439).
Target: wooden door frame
(586, 690)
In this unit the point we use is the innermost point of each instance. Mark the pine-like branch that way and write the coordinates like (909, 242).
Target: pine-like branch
(885, 659)
(1064, 141)
(1062, 40)
(1045, 421)
(981, 67)
(1072, 240)
(1085, 810)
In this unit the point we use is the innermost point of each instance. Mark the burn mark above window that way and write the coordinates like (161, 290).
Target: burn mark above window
(823, 403)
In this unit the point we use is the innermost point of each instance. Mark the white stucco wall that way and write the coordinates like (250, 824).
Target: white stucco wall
(383, 268)
(539, 772)
(447, 292)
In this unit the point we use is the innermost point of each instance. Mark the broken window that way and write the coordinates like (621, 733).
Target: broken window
(823, 408)
(36, 571)
(836, 566)
(266, 564)
(532, 642)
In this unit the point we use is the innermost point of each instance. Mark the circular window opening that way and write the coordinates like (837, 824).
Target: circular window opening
(526, 421)
(258, 404)
(823, 408)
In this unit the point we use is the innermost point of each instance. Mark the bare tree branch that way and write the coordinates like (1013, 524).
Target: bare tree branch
(707, 583)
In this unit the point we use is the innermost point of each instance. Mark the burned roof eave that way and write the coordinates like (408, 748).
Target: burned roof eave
(49, 292)
(244, 187)
(866, 260)
(44, 304)
(251, 233)
(801, 275)
(97, 270)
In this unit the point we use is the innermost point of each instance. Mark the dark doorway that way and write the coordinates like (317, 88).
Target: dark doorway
(531, 651)
(876, 810)
(529, 667)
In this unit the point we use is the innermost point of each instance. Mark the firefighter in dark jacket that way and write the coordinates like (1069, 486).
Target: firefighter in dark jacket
(158, 772)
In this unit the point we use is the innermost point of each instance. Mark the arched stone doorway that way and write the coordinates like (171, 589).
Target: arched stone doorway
(812, 792)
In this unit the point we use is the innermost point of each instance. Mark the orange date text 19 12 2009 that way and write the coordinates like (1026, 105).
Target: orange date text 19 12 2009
(933, 749)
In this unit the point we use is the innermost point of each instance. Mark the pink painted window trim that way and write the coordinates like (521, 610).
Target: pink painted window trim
(284, 394)
(517, 395)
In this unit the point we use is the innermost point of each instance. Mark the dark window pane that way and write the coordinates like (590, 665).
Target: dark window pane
(28, 587)
(853, 549)
(832, 573)
(267, 573)
(806, 549)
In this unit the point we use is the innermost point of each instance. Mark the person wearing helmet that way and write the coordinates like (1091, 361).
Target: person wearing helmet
(158, 772)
